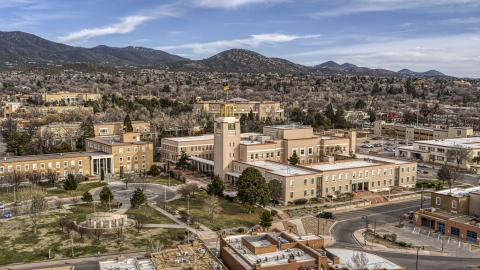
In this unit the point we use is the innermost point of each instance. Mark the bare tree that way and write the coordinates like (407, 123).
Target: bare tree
(188, 189)
(129, 177)
(8, 126)
(58, 204)
(82, 231)
(458, 154)
(31, 127)
(62, 221)
(154, 246)
(400, 218)
(75, 200)
(139, 223)
(16, 178)
(212, 207)
(360, 261)
(143, 181)
(15, 209)
(52, 176)
(35, 204)
(118, 231)
(98, 232)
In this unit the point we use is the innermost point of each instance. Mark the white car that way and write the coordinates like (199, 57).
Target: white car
(2, 206)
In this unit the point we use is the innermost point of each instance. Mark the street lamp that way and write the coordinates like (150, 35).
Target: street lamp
(421, 199)
(416, 263)
(366, 229)
(71, 237)
(188, 219)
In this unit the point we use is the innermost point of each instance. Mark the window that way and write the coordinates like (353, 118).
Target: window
(256, 156)
(413, 178)
(50, 165)
(312, 192)
(378, 183)
(72, 163)
(65, 173)
(121, 159)
(128, 149)
(359, 175)
(408, 169)
(103, 131)
(120, 150)
(333, 189)
(128, 158)
(80, 171)
(326, 190)
(305, 181)
(438, 200)
(454, 204)
(310, 150)
(302, 151)
(251, 156)
(1, 169)
(144, 165)
(373, 184)
(143, 157)
(278, 153)
(26, 167)
(402, 180)
(391, 171)
(353, 175)
(459, 133)
(312, 181)
(135, 158)
(384, 182)
(305, 193)
(18, 168)
(366, 174)
(385, 171)
(57, 165)
(34, 167)
(267, 155)
(373, 173)
(137, 129)
(326, 179)
(440, 158)
(339, 177)
(10, 169)
(346, 187)
(65, 164)
(294, 151)
(291, 183)
(79, 163)
(291, 194)
(346, 176)
(408, 179)
(333, 178)
(135, 149)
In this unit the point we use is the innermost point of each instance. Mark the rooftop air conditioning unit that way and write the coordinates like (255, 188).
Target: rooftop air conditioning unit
(179, 254)
(177, 261)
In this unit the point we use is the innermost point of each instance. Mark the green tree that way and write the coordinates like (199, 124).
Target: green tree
(372, 116)
(360, 105)
(252, 189)
(329, 113)
(70, 183)
(64, 148)
(121, 172)
(138, 198)
(444, 174)
(86, 130)
(293, 159)
(216, 187)
(106, 195)
(127, 124)
(17, 143)
(183, 160)
(266, 220)
(275, 188)
(154, 171)
(87, 197)
(102, 174)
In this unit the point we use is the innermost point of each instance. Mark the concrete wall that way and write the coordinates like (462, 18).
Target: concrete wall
(446, 203)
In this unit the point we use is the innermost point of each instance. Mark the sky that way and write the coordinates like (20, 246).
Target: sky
(391, 34)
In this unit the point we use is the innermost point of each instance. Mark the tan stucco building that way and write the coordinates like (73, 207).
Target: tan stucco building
(262, 109)
(414, 133)
(67, 97)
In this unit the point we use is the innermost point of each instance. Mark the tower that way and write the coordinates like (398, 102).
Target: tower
(226, 140)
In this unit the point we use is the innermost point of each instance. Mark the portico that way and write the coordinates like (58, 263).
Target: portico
(100, 161)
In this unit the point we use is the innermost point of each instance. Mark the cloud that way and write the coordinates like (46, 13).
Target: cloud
(254, 41)
(469, 20)
(455, 55)
(228, 4)
(363, 6)
(127, 25)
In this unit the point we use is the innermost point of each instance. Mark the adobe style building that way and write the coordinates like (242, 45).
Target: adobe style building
(67, 97)
(262, 109)
(287, 250)
(414, 133)
(325, 163)
(435, 151)
(450, 213)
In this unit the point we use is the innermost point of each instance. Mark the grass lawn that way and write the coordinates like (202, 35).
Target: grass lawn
(20, 245)
(435, 181)
(149, 214)
(232, 214)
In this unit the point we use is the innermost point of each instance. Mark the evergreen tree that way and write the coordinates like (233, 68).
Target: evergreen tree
(87, 130)
(87, 197)
(183, 160)
(138, 198)
(266, 220)
(294, 159)
(329, 113)
(17, 143)
(372, 116)
(444, 174)
(102, 174)
(154, 171)
(127, 124)
(106, 195)
(216, 187)
(360, 105)
(70, 183)
(64, 148)
(275, 188)
(252, 189)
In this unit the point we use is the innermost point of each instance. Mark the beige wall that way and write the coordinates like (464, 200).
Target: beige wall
(115, 128)
(474, 204)
(444, 202)
(262, 109)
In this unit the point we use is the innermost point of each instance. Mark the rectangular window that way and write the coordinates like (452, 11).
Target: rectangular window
(128, 158)
(302, 151)
(333, 178)
(333, 189)
(413, 178)
(326, 179)
(454, 204)
(26, 167)
(135, 158)
(50, 165)
(384, 182)
(65, 164)
(294, 151)
(57, 165)
(373, 184)
(128, 149)
(391, 171)
(305, 193)
(135, 149)
(385, 172)
(305, 181)
(339, 177)
(144, 165)
(326, 190)
(353, 175)
(378, 182)
(408, 179)
(34, 167)
(373, 173)
(346, 187)
(120, 150)
(291, 194)
(10, 169)
(346, 176)
(79, 163)
(143, 157)
(1, 169)
(310, 150)
(72, 163)
(121, 159)
(312, 192)
(339, 188)
(312, 181)
(291, 183)
(251, 156)
(278, 153)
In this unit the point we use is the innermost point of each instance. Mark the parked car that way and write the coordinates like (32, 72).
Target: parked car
(366, 142)
(389, 143)
(365, 146)
(2, 205)
(391, 139)
(389, 149)
(328, 215)
(18, 203)
(410, 143)
(377, 144)
(375, 138)
(422, 165)
(7, 214)
(409, 214)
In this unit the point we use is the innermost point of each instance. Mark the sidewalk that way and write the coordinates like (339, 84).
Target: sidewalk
(69, 262)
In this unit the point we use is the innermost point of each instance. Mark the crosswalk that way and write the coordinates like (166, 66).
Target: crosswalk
(346, 245)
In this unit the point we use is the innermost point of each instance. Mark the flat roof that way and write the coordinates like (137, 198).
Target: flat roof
(345, 256)
(469, 143)
(53, 156)
(384, 159)
(205, 137)
(290, 126)
(202, 160)
(343, 165)
(459, 192)
(130, 264)
(280, 169)
(114, 140)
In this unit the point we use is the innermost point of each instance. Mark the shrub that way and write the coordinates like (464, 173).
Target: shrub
(181, 237)
(419, 184)
(241, 230)
(216, 228)
(425, 172)
(402, 244)
(290, 203)
(274, 213)
(300, 201)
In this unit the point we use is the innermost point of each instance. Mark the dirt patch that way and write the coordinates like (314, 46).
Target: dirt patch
(384, 242)
(311, 225)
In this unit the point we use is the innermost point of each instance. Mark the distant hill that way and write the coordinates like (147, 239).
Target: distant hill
(429, 73)
(20, 46)
(241, 61)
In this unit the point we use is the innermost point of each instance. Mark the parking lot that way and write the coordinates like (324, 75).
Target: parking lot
(387, 147)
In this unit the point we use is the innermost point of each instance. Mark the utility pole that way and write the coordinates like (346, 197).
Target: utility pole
(421, 199)
(366, 229)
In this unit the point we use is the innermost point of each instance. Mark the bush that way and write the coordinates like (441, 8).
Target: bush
(181, 237)
(241, 230)
(274, 213)
(300, 201)
(290, 203)
(402, 244)
(425, 172)
(419, 184)
(216, 228)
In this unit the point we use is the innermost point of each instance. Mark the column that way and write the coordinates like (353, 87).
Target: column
(101, 224)
(91, 167)
(94, 224)
(109, 223)
(116, 222)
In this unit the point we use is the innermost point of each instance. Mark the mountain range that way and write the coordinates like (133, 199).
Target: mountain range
(27, 51)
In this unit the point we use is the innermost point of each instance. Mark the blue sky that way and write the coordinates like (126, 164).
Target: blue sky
(391, 34)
